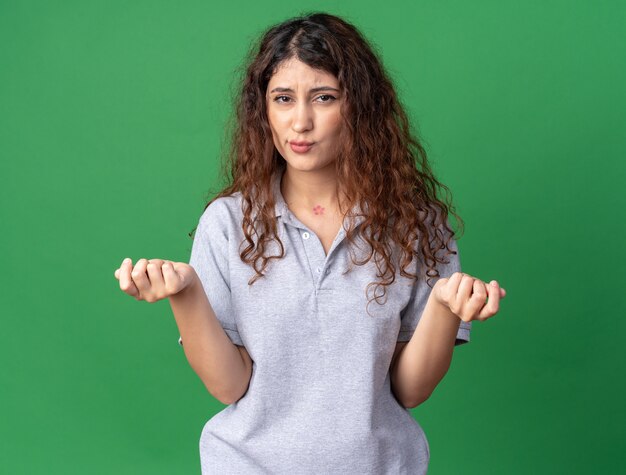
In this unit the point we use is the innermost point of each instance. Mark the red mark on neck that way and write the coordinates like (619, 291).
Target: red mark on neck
(318, 209)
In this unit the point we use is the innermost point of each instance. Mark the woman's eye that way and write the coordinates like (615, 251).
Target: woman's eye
(324, 98)
(328, 97)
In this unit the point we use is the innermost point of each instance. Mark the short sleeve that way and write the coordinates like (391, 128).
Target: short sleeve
(420, 293)
(209, 258)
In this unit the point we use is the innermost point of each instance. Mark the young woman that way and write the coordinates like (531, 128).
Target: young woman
(323, 296)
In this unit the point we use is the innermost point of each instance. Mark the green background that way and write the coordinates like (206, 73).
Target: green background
(111, 121)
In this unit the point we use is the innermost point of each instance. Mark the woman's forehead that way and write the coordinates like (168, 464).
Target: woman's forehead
(292, 73)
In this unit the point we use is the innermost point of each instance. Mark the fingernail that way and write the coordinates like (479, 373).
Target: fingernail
(494, 283)
(126, 260)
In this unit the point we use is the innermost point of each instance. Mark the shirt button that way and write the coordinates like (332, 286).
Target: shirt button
(305, 235)
(319, 270)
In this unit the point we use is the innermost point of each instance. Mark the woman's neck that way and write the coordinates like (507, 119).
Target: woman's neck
(311, 191)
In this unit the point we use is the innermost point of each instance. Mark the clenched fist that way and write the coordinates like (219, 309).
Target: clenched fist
(466, 296)
(154, 279)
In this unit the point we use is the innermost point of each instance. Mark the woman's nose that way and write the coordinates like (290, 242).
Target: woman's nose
(303, 117)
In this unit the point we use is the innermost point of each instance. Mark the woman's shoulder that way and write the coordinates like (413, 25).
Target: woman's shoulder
(222, 208)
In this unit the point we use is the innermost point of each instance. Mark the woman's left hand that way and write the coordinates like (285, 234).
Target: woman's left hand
(466, 296)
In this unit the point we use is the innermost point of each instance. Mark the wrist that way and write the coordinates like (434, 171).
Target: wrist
(191, 288)
(440, 308)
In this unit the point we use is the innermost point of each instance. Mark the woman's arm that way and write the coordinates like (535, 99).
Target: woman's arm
(425, 359)
(223, 368)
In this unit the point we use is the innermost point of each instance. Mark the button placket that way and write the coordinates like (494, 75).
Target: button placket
(312, 251)
(315, 250)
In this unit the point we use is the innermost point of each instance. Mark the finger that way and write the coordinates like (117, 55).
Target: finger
(171, 268)
(140, 277)
(126, 282)
(465, 289)
(493, 303)
(453, 282)
(117, 274)
(478, 299)
(448, 290)
(156, 277)
(173, 282)
(182, 275)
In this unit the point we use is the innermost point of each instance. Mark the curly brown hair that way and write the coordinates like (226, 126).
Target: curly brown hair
(381, 166)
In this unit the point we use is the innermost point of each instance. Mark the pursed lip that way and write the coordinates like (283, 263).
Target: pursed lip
(301, 144)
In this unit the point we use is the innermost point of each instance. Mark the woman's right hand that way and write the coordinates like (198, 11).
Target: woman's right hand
(154, 279)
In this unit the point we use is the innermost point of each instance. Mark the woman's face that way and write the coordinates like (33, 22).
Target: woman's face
(303, 108)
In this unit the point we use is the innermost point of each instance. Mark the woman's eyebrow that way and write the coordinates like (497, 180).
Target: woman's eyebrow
(315, 89)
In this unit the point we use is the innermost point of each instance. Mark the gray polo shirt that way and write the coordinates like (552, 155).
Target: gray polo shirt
(319, 399)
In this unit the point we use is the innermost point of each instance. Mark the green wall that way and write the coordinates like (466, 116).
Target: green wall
(111, 117)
